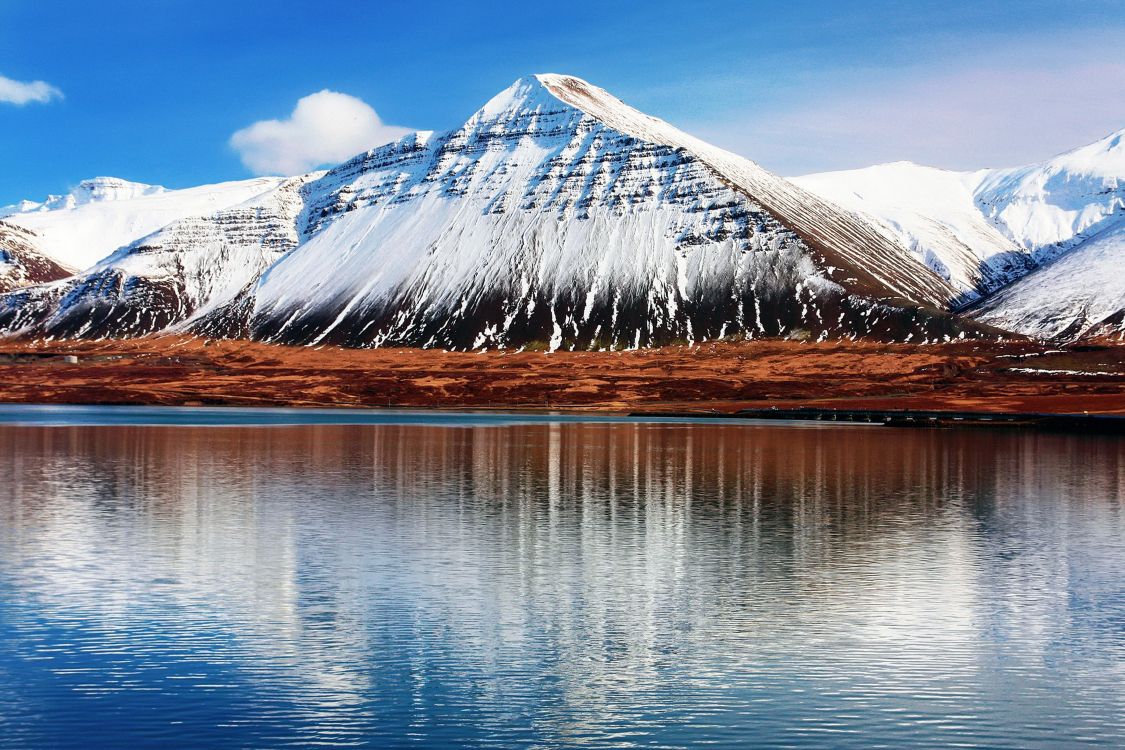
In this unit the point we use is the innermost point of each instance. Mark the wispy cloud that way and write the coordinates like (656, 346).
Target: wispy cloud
(978, 110)
(27, 92)
(325, 128)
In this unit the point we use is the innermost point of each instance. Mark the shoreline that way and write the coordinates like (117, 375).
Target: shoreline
(65, 415)
(95, 415)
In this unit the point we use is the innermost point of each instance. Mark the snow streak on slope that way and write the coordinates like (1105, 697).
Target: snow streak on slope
(175, 277)
(1081, 294)
(984, 229)
(852, 244)
(105, 214)
(559, 216)
(21, 262)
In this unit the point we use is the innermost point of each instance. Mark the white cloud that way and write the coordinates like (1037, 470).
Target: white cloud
(325, 128)
(26, 92)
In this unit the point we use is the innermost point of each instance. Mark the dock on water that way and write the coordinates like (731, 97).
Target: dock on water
(1088, 423)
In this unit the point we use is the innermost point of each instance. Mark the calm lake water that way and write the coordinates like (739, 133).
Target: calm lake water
(448, 582)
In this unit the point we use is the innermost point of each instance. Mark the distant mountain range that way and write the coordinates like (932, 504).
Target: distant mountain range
(559, 217)
(1047, 236)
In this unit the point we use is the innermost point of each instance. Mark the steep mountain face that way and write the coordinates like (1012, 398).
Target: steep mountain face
(187, 274)
(21, 262)
(982, 230)
(559, 216)
(105, 214)
(1079, 295)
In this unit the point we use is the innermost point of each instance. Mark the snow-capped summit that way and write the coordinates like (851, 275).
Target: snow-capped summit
(102, 190)
(527, 94)
(96, 190)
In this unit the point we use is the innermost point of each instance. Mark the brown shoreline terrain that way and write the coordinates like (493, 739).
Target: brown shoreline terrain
(720, 377)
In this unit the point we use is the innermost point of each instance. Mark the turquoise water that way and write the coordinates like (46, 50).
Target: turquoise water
(480, 581)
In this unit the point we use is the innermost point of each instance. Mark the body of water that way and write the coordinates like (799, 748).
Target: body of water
(483, 581)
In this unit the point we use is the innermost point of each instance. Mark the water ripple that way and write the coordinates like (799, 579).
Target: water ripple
(543, 585)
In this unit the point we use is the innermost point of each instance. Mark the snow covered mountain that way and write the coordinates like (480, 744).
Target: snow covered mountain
(105, 214)
(173, 278)
(1051, 207)
(1081, 294)
(21, 262)
(982, 230)
(934, 213)
(556, 216)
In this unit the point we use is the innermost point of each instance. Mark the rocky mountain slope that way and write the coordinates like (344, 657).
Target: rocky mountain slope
(21, 261)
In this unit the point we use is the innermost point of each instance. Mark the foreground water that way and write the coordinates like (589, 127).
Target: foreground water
(526, 584)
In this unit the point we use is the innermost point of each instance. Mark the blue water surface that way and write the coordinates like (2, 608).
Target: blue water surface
(490, 581)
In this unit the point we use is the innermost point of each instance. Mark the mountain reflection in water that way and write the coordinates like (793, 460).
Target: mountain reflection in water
(543, 585)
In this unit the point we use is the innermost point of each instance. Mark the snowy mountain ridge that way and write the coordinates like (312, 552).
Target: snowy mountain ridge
(1033, 249)
(558, 216)
(105, 214)
(1049, 207)
(984, 229)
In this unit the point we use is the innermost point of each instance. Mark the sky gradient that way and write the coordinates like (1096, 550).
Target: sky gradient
(154, 91)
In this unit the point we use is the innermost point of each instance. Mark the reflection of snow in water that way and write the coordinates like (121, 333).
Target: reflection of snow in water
(580, 582)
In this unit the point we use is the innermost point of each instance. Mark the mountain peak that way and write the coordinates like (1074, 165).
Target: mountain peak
(557, 215)
(93, 190)
(99, 189)
(526, 94)
(1105, 156)
(545, 92)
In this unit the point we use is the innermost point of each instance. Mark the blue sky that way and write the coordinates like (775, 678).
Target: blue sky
(153, 90)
